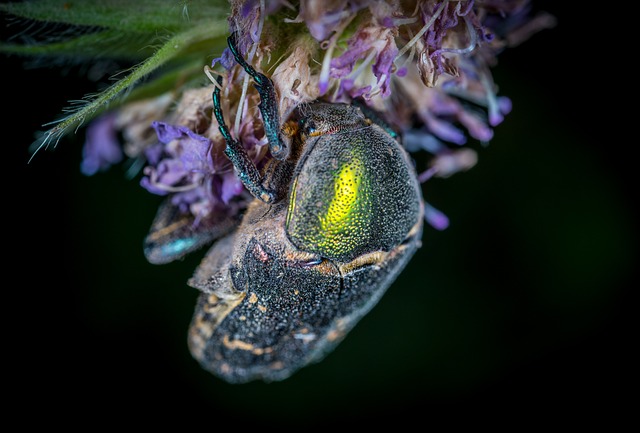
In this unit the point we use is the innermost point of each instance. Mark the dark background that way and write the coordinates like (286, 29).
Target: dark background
(521, 307)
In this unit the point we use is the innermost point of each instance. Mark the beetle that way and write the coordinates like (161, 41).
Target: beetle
(337, 215)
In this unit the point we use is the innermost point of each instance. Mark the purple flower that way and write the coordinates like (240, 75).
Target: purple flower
(448, 162)
(226, 60)
(195, 172)
(101, 149)
(180, 165)
(435, 218)
(424, 65)
(374, 45)
(322, 17)
(231, 187)
(185, 161)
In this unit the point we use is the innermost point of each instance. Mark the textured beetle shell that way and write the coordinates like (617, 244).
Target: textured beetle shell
(384, 204)
(263, 315)
(268, 308)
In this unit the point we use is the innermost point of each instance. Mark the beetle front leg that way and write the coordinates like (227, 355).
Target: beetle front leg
(268, 104)
(247, 171)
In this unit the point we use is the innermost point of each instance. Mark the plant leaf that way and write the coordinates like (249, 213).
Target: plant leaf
(107, 43)
(128, 15)
(172, 48)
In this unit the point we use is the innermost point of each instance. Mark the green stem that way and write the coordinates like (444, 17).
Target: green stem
(168, 51)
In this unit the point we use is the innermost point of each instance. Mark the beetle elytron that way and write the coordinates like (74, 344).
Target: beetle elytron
(337, 215)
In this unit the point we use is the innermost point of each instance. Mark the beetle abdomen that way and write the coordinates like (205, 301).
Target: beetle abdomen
(266, 314)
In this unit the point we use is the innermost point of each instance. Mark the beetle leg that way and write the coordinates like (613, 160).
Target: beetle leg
(246, 169)
(268, 103)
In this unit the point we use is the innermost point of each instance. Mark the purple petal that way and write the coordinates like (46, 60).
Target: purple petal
(505, 105)
(446, 131)
(182, 161)
(193, 149)
(167, 133)
(153, 153)
(387, 22)
(226, 60)
(101, 149)
(152, 188)
(231, 187)
(435, 218)
(323, 85)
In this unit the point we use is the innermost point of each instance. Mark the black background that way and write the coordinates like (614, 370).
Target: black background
(522, 307)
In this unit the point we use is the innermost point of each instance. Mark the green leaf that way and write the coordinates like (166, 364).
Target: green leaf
(181, 34)
(108, 43)
(140, 16)
(169, 51)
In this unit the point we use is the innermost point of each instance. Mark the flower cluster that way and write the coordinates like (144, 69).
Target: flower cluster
(424, 65)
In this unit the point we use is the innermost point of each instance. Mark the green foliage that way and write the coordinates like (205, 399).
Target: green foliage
(107, 42)
(140, 16)
(155, 33)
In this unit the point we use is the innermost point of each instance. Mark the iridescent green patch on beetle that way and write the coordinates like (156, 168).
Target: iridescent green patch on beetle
(351, 183)
(336, 220)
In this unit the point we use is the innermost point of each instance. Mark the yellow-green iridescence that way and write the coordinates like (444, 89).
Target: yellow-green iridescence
(353, 194)
(340, 214)
(332, 215)
(292, 202)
